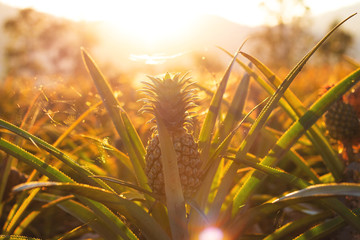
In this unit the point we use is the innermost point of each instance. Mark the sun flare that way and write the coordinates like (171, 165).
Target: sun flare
(152, 23)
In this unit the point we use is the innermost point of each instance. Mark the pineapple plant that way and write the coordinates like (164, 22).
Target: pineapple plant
(342, 122)
(171, 98)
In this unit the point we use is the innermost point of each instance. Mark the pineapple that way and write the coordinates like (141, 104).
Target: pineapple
(342, 122)
(171, 98)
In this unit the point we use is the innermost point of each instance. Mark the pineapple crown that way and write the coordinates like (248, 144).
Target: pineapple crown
(169, 98)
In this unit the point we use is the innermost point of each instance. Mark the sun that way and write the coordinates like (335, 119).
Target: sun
(151, 22)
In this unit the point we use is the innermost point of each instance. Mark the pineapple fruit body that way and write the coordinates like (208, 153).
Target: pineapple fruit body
(342, 122)
(188, 161)
(170, 99)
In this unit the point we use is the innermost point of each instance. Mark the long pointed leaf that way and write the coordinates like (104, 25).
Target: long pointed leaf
(264, 84)
(324, 190)
(241, 221)
(235, 112)
(126, 131)
(242, 195)
(150, 228)
(123, 183)
(16, 237)
(260, 121)
(56, 175)
(19, 209)
(33, 161)
(319, 141)
(295, 109)
(173, 190)
(290, 229)
(31, 216)
(207, 128)
(83, 172)
(294, 133)
(324, 229)
(290, 137)
(331, 203)
(211, 165)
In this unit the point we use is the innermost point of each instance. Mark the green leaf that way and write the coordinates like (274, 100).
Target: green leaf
(210, 166)
(120, 156)
(6, 168)
(31, 216)
(127, 184)
(133, 135)
(330, 203)
(319, 141)
(16, 237)
(278, 173)
(290, 137)
(19, 153)
(57, 175)
(324, 229)
(17, 211)
(78, 231)
(82, 172)
(131, 211)
(45, 169)
(82, 213)
(297, 129)
(207, 128)
(121, 122)
(322, 143)
(289, 230)
(252, 182)
(235, 112)
(264, 84)
(252, 215)
(296, 109)
(173, 190)
(324, 190)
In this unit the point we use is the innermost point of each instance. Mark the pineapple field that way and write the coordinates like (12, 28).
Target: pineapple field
(250, 153)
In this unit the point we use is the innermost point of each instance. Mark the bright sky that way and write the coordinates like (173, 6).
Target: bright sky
(241, 11)
(152, 20)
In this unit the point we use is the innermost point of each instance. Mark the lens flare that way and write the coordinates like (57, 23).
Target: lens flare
(211, 233)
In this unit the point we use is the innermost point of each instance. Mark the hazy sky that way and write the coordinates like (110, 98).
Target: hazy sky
(241, 11)
(151, 22)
